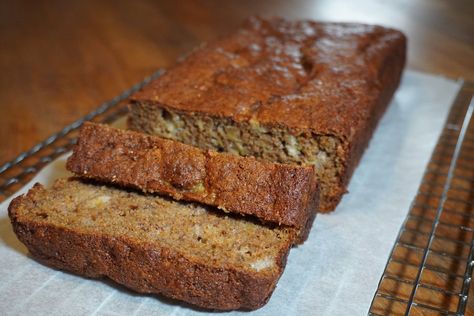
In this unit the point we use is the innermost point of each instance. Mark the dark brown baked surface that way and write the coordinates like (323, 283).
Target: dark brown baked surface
(314, 88)
(151, 244)
(321, 77)
(282, 194)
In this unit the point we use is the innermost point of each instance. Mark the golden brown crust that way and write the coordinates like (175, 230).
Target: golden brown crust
(283, 194)
(311, 78)
(140, 266)
(308, 76)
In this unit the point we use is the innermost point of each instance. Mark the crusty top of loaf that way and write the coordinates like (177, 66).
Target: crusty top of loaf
(303, 75)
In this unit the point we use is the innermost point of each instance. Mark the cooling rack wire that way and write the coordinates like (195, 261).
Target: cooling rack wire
(429, 271)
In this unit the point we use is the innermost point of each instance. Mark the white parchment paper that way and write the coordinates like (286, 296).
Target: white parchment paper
(334, 273)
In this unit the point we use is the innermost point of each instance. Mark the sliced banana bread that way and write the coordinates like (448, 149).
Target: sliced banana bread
(283, 194)
(291, 92)
(152, 244)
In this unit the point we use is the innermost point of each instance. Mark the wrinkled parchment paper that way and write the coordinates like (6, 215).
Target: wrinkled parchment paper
(335, 272)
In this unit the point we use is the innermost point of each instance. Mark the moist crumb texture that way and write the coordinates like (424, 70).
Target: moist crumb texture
(152, 244)
(291, 92)
(282, 194)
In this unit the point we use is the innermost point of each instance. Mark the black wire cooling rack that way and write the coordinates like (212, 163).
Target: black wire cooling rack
(430, 267)
(429, 270)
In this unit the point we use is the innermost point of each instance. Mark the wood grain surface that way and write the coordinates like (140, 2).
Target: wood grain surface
(60, 59)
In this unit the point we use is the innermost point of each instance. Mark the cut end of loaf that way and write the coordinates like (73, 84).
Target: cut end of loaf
(152, 244)
(273, 143)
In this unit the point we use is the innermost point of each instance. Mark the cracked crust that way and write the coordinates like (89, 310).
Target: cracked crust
(282, 79)
(277, 193)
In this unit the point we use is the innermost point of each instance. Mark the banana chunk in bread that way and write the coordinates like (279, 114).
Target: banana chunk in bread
(282, 194)
(152, 244)
(298, 92)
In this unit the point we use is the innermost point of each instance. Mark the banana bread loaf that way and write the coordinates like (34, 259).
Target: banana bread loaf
(152, 244)
(283, 194)
(291, 92)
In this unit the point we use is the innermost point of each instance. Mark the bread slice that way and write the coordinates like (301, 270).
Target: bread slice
(152, 244)
(298, 92)
(282, 194)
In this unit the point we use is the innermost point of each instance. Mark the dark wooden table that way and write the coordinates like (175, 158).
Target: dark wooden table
(60, 59)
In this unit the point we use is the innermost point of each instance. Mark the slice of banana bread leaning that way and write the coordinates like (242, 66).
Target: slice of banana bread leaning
(282, 194)
(152, 244)
(291, 92)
